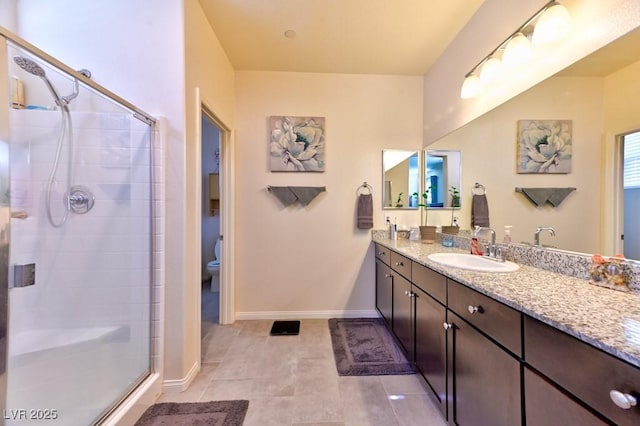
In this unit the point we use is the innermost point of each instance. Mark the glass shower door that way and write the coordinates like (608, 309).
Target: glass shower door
(80, 249)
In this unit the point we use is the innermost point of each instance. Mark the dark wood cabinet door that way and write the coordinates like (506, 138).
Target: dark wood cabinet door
(402, 315)
(546, 405)
(483, 379)
(430, 344)
(384, 291)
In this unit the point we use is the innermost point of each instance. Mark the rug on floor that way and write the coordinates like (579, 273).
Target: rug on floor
(215, 413)
(364, 347)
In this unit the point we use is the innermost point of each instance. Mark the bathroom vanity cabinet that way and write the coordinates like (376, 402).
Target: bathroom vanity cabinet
(487, 363)
(384, 291)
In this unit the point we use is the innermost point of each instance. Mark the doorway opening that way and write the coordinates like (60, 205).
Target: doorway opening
(631, 194)
(211, 231)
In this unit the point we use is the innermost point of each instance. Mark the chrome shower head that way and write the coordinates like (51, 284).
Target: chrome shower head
(30, 66)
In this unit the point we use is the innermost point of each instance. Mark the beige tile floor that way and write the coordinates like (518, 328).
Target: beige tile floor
(292, 380)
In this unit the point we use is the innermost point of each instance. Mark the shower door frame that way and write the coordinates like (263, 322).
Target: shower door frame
(135, 400)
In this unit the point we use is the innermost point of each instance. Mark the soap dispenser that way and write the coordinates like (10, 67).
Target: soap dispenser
(507, 233)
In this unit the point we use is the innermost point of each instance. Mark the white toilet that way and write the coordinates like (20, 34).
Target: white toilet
(214, 269)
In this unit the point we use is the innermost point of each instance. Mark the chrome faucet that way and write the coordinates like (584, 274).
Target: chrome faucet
(536, 235)
(492, 252)
(486, 228)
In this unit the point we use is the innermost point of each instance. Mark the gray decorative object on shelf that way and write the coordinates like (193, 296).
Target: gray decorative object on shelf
(539, 196)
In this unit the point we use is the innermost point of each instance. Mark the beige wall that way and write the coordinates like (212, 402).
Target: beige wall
(488, 146)
(208, 69)
(313, 261)
(622, 100)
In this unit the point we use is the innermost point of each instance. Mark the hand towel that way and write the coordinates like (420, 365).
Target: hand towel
(306, 194)
(538, 196)
(559, 194)
(365, 211)
(479, 210)
(284, 194)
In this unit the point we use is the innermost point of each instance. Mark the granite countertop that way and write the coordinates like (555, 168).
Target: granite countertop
(605, 318)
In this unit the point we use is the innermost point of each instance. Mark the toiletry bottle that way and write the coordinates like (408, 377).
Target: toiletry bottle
(394, 229)
(389, 230)
(455, 222)
(507, 233)
(475, 248)
(17, 97)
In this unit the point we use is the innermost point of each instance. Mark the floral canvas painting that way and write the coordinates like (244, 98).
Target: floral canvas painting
(296, 144)
(544, 146)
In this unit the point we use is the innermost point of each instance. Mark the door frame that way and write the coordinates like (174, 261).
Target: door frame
(227, 211)
(612, 190)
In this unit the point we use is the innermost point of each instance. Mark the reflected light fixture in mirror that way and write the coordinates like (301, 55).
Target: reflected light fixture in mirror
(553, 24)
(517, 51)
(491, 71)
(471, 87)
(550, 23)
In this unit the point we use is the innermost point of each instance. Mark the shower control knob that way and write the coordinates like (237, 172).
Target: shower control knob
(80, 199)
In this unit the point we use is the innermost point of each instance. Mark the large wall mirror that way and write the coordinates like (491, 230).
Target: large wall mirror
(442, 176)
(400, 179)
(601, 96)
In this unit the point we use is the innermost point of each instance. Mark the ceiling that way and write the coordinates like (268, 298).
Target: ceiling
(403, 37)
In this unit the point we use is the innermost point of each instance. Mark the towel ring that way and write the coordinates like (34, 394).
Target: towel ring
(479, 187)
(366, 186)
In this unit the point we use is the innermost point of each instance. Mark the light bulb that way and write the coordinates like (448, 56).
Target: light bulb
(491, 71)
(471, 87)
(518, 51)
(553, 24)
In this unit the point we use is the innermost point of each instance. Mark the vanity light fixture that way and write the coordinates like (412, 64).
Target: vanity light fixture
(550, 23)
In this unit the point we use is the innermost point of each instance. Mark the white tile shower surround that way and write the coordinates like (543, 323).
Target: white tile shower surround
(111, 159)
(292, 380)
(95, 270)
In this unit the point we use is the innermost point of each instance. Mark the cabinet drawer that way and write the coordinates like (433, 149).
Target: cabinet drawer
(430, 282)
(383, 253)
(498, 321)
(401, 264)
(546, 405)
(583, 370)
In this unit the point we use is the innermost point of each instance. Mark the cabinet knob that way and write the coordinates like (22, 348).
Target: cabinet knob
(623, 400)
(388, 275)
(447, 326)
(380, 253)
(399, 264)
(474, 309)
(407, 292)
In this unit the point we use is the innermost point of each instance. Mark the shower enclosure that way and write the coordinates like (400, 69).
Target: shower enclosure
(76, 281)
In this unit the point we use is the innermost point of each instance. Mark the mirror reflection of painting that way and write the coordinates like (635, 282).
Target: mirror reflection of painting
(401, 178)
(544, 146)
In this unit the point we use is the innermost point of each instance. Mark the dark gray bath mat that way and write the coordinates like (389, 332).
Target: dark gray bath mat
(285, 328)
(364, 347)
(214, 413)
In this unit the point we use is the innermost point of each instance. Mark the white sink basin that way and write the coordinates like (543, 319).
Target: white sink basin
(472, 262)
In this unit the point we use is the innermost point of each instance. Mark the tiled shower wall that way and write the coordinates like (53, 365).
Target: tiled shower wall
(95, 270)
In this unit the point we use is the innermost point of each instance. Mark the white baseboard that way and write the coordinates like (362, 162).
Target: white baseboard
(180, 385)
(290, 315)
(132, 408)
